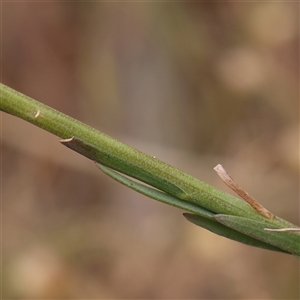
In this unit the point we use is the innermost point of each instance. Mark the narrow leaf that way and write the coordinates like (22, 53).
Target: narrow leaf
(156, 194)
(227, 232)
(288, 241)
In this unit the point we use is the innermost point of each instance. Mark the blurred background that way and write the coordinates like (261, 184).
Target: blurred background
(194, 84)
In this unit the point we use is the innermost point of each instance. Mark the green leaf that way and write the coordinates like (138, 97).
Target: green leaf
(227, 232)
(156, 194)
(288, 241)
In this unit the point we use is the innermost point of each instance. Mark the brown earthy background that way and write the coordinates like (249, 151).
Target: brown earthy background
(194, 84)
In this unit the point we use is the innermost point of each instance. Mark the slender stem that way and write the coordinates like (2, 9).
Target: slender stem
(121, 157)
(178, 187)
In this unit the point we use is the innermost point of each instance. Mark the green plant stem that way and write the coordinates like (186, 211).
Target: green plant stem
(225, 213)
(114, 154)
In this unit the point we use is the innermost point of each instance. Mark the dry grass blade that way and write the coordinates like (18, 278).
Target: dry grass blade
(242, 193)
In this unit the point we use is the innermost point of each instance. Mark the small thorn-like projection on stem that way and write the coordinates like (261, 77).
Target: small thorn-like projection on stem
(242, 193)
(37, 113)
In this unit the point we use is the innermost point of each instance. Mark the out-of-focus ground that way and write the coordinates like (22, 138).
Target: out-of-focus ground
(194, 84)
